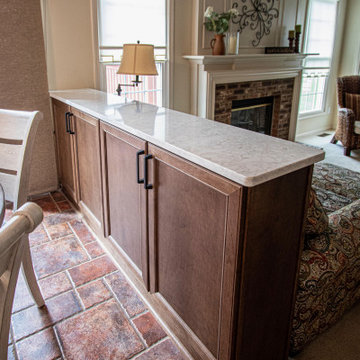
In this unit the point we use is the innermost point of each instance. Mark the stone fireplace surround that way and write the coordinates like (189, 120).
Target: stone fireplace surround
(280, 89)
(217, 80)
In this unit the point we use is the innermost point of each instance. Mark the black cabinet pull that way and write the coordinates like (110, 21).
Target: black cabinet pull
(67, 121)
(69, 116)
(146, 185)
(140, 152)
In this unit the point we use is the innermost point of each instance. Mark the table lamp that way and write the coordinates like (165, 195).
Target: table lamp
(138, 59)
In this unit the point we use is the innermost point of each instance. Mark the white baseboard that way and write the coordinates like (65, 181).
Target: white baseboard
(312, 133)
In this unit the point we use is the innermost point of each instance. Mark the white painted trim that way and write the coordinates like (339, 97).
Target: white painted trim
(95, 42)
(312, 133)
(209, 71)
(243, 58)
(169, 90)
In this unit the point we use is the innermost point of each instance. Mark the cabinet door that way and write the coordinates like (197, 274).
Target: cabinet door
(87, 137)
(124, 198)
(193, 246)
(65, 150)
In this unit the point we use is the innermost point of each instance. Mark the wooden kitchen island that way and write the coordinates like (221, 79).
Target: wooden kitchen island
(205, 219)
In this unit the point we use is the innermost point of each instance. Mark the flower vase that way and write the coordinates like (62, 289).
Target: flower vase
(218, 45)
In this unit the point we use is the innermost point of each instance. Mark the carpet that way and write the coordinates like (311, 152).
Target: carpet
(340, 342)
(334, 153)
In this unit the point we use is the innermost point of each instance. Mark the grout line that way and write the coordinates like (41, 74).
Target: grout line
(140, 314)
(52, 240)
(81, 312)
(163, 325)
(74, 266)
(54, 202)
(79, 240)
(127, 316)
(76, 293)
(50, 325)
(58, 339)
(149, 348)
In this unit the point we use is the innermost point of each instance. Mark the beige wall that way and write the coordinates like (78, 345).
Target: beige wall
(69, 41)
(351, 40)
(181, 45)
(23, 82)
(70, 32)
(72, 58)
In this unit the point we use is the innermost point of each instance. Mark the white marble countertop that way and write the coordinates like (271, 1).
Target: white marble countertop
(244, 156)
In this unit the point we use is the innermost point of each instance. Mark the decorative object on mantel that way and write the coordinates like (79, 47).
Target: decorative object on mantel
(217, 44)
(218, 23)
(297, 37)
(260, 16)
(279, 50)
(291, 38)
(138, 59)
(232, 43)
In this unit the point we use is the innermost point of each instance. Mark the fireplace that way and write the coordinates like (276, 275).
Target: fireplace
(277, 92)
(253, 114)
(216, 81)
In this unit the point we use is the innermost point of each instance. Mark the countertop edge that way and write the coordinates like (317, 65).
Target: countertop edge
(248, 181)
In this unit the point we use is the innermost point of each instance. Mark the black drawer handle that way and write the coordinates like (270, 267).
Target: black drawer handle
(67, 121)
(140, 152)
(146, 185)
(69, 116)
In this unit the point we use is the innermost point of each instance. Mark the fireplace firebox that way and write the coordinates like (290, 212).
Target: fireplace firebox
(253, 114)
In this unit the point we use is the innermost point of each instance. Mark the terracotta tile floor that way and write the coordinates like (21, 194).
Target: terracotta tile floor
(92, 312)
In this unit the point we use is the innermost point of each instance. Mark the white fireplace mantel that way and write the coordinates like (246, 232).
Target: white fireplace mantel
(207, 71)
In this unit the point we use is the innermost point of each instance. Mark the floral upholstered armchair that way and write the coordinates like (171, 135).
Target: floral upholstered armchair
(348, 127)
(329, 278)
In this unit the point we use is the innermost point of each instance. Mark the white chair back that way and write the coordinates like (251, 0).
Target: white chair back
(17, 135)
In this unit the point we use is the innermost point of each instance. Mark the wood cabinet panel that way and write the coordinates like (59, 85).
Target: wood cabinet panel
(65, 150)
(125, 201)
(193, 241)
(88, 166)
(273, 242)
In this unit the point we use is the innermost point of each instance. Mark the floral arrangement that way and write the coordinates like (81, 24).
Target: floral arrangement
(218, 23)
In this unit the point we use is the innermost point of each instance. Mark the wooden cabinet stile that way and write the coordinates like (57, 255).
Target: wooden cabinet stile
(65, 150)
(78, 160)
(125, 200)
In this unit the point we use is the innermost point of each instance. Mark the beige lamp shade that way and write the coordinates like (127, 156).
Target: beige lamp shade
(138, 59)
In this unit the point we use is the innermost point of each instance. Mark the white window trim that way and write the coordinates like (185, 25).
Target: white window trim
(325, 106)
(168, 74)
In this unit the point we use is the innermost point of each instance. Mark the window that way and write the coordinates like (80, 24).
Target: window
(127, 21)
(319, 38)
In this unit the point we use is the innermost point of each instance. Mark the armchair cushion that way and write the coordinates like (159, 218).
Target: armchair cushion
(348, 91)
(353, 102)
(357, 127)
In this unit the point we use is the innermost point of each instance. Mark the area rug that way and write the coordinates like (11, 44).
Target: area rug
(335, 186)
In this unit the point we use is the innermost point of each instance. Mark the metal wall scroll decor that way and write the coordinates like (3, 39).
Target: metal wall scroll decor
(259, 14)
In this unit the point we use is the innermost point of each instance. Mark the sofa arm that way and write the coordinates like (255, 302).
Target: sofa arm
(345, 224)
(343, 232)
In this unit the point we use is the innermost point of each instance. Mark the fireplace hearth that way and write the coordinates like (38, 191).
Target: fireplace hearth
(253, 114)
